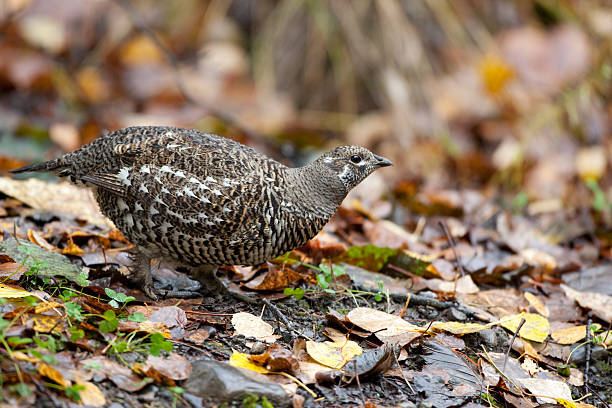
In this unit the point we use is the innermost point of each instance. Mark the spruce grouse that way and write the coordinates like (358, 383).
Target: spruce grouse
(200, 200)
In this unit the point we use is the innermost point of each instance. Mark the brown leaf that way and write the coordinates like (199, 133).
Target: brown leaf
(166, 370)
(276, 278)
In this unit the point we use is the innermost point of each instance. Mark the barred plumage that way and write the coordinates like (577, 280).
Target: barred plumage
(201, 200)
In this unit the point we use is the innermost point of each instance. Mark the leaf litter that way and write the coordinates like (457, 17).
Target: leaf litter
(383, 306)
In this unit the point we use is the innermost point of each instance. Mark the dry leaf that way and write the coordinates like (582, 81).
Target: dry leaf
(253, 326)
(333, 354)
(536, 327)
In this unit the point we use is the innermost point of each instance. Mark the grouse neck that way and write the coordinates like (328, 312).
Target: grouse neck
(317, 186)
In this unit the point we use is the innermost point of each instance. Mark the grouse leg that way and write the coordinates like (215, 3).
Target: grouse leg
(207, 276)
(141, 274)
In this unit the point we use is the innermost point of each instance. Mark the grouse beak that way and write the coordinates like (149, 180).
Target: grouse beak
(383, 162)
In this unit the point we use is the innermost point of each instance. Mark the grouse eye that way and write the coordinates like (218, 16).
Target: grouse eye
(356, 158)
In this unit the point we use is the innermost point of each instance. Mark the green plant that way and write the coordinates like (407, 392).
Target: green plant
(564, 369)
(176, 394)
(325, 276)
(110, 323)
(118, 298)
(599, 202)
(73, 392)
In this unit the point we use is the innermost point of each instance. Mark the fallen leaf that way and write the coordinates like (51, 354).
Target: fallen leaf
(91, 395)
(460, 328)
(13, 292)
(569, 335)
(253, 326)
(333, 354)
(47, 371)
(389, 328)
(547, 391)
(536, 327)
(537, 304)
(243, 361)
(56, 198)
(601, 305)
(72, 249)
(166, 370)
(120, 375)
(463, 285)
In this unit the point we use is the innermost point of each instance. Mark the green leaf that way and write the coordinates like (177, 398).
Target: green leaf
(49, 358)
(74, 311)
(176, 390)
(322, 280)
(109, 315)
(137, 317)
(74, 392)
(22, 389)
(298, 293)
(16, 341)
(120, 347)
(369, 256)
(76, 334)
(93, 365)
(113, 303)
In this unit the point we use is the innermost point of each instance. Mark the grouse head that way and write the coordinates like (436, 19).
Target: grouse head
(352, 164)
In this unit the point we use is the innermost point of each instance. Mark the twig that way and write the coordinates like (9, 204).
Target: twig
(45, 391)
(178, 77)
(210, 313)
(358, 382)
(518, 329)
(281, 317)
(593, 392)
(587, 357)
(402, 373)
(451, 243)
(421, 300)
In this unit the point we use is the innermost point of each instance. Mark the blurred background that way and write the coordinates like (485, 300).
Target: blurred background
(508, 98)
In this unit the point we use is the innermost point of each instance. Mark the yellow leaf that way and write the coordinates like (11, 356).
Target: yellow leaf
(44, 306)
(92, 84)
(535, 328)
(53, 374)
(333, 354)
(569, 335)
(140, 50)
(47, 324)
(72, 249)
(459, 328)
(242, 360)
(24, 357)
(91, 396)
(591, 162)
(11, 292)
(495, 73)
(536, 304)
